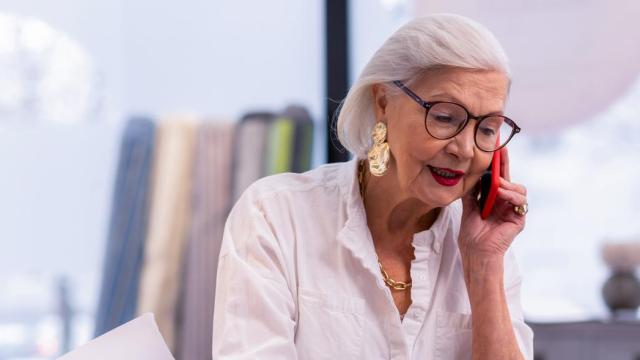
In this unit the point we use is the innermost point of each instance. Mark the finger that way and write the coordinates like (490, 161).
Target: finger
(504, 164)
(513, 186)
(511, 196)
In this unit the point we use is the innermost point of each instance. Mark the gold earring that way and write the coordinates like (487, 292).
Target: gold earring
(379, 152)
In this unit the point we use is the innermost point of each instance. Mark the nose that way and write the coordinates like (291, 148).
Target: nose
(462, 145)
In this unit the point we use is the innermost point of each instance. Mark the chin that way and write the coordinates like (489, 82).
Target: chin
(446, 202)
(441, 200)
(437, 195)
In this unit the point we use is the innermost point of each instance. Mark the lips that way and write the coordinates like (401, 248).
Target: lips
(444, 176)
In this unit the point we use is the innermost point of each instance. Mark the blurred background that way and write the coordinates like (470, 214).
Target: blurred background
(84, 83)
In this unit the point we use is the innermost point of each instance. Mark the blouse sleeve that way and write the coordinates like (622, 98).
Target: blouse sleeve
(513, 281)
(255, 311)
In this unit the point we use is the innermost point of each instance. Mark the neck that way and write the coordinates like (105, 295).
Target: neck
(392, 215)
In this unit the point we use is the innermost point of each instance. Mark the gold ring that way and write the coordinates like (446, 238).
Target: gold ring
(521, 209)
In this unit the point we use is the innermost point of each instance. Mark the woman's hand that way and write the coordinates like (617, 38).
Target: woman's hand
(483, 244)
(492, 237)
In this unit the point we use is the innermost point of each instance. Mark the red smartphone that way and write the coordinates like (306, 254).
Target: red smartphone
(489, 184)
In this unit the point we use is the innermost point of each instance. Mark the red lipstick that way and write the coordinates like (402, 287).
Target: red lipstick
(445, 176)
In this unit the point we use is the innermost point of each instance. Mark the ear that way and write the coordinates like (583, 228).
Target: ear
(380, 100)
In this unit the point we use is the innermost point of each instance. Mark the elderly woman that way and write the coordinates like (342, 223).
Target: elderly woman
(387, 256)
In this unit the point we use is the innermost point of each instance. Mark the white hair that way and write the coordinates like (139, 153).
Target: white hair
(423, 44)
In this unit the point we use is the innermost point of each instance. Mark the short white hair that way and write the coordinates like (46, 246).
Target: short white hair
(423, 44)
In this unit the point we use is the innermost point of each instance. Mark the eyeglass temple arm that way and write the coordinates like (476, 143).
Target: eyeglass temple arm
(516, 128)
(413, 95)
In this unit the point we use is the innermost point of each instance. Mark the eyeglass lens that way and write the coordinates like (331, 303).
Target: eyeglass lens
(445, 120)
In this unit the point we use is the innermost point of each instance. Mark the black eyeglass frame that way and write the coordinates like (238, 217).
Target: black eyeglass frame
(428, 105)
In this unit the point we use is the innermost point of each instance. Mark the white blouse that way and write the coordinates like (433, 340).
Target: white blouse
(298, 278)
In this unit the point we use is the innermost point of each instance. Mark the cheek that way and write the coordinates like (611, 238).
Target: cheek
(407, 136)
(478, 168)
(471, 181)
(424, 149)
(481, 163)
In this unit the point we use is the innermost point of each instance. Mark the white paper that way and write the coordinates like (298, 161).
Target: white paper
(139, 339)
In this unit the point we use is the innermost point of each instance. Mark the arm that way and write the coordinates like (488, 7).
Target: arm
(493, 333)
(498, 329)
(254, 313)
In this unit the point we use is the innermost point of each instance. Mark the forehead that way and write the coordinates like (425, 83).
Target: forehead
(480, 91)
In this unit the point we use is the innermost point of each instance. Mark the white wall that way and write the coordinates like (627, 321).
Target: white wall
(222, 57)
(209, 57)
(155, 57)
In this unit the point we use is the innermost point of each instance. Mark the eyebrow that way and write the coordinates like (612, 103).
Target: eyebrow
(448, 97)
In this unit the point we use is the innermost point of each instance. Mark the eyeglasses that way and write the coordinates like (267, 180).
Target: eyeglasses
(444, 120)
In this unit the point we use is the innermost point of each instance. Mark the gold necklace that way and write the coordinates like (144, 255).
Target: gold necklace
(395, 285)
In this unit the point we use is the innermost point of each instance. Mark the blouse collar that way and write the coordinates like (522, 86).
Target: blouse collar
(356, 217)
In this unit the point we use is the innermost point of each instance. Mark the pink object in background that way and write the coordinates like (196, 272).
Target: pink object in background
(570, 60)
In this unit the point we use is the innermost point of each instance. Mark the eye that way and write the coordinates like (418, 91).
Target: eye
(486, 131)
(444, 118)
(490, 126)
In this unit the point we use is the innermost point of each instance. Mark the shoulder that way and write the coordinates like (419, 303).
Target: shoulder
(325, 178)
(273, 209)
(289, 196)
